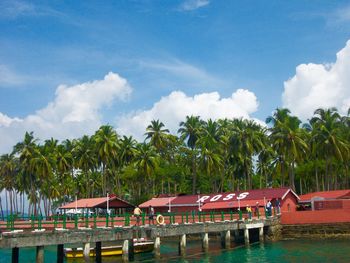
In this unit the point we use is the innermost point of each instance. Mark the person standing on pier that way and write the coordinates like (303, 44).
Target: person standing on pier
(137, 214)
(249, 211)
(256, 210)
(150, 215)
(269, 208)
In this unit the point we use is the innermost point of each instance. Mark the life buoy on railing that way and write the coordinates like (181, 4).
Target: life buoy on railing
(160, 219)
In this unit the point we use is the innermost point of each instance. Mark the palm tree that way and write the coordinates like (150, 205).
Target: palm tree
(189, 130)
(85, 159)
(247, 141)
(329, 140)
(146, 160)
(27, 151)
(8, 167)
(157, 134)
(106, 140)
(288, 141)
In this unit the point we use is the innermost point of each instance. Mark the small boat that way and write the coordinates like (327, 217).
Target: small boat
(139, 247)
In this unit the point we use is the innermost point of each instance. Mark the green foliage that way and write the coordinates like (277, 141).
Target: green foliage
(206, 156)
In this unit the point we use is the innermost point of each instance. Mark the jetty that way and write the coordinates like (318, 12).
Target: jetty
(93, 231)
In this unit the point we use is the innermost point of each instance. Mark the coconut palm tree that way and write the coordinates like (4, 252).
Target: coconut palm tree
(146, 161)
(247, 141)
(107, 145)
(85, 159)
(189, 130)
(27, 150)
(328, 136)
(157, 134)
(288, 141)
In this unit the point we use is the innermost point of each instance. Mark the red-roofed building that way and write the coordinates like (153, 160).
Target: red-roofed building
(336, 199)
(114, 202)
(227, 201)
(160, 204)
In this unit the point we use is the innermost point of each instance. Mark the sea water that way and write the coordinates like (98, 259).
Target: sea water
(305, 251)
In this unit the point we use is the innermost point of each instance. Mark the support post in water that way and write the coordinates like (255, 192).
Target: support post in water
(226, 239)
(261, 234)
(182, 245)
(40, 254)
(15, 254)
(125, 250)
(246, 236)
(86, 252)
(157, 247)
(205, 242)
(98, 252)
(60, 253)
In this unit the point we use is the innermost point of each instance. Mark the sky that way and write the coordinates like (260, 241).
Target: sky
(68, 67)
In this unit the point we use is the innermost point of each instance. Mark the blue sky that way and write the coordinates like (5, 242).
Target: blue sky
(194, 47)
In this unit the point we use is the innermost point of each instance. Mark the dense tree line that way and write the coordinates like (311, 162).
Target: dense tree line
(206, 156)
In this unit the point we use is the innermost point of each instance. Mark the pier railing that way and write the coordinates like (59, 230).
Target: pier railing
(38, 223)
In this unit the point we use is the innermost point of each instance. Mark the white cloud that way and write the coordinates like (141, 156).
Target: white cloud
(75, 111)
(180, 71)
(15, 8)
(190, 5)
(174, 108)
(10, 78)
(319, 85)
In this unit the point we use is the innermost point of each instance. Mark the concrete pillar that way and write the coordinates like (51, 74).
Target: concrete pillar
(236, 234)
(86, 252)
(125, 250)
(128, 250)
(205, 242)
(60, 253)
(131, 250)
(182, 245)
(98, 252)
(246, 236)
(157, 247)
(15, 254)
(40, 254)
(226, 239)
(261, 234)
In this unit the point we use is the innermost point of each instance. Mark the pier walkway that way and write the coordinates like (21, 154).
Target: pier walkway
(87, 231)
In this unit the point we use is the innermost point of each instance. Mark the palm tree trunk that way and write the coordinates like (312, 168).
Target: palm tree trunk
(317, 183)
(194, 173)
(6, 201)
(2, 211)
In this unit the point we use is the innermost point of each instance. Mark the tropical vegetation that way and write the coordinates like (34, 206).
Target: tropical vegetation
(204, 156)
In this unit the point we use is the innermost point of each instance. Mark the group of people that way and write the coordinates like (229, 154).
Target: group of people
(268, 208)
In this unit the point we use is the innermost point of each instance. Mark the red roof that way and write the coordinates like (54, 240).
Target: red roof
(114, 202)
(257, 194)
(232, 204)
(337, 194)
(251, 195)
(157, 202)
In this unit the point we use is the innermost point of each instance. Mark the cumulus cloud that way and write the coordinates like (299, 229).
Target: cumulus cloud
(174, 108)
(74, 111)
(319, 86)
(190, 5)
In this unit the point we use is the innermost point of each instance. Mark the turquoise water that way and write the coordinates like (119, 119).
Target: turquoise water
(283, 251)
